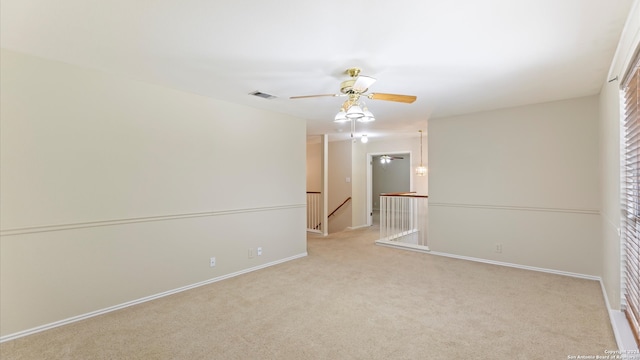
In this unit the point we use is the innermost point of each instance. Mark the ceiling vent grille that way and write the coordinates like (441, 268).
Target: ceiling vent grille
(262, 95)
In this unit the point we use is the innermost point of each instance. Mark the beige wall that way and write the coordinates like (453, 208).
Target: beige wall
(115, 190)
(339, 188)
(610, 179)
(314, 164)
(359, 184)
(526, 178)
(610, 158)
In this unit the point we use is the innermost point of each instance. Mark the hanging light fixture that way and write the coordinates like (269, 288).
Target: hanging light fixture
(354, 110)
(364, 139)
(421, 170)
(385, 159)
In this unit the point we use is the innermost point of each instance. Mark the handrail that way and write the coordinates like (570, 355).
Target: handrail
(344, 202)
(334, 211)
(406, 194)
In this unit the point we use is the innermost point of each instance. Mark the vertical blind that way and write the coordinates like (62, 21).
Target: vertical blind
(631, 197)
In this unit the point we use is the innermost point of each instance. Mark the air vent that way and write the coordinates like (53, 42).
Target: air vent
(262, 95)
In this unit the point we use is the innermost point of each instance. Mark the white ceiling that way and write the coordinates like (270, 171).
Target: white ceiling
(455, 56)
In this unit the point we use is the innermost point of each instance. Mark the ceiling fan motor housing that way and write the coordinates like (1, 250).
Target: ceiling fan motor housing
(346, 87)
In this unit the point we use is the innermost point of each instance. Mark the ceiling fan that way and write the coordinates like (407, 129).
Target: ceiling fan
(356, 87)
(385, 159)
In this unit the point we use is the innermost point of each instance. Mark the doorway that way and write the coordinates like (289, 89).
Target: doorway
(388, 172)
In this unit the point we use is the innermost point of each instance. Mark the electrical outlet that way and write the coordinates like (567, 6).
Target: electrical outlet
(260, 251)
(499, 248)
(212, 262)
(251, 253)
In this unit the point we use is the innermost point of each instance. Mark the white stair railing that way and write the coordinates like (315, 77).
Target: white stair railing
(403, 220)
(314, 211)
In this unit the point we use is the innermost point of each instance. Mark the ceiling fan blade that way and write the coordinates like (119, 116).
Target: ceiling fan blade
(362, 83)
(312, 96)
(393, 97)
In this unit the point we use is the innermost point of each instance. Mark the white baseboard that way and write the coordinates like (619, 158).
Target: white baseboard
(141, 300)
(401, 245)
(621, 329)
(518, 266)
(358, 227)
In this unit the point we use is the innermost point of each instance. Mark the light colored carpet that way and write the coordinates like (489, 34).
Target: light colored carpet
(349, 299)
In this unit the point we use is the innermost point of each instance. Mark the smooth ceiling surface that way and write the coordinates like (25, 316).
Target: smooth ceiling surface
(455, 56)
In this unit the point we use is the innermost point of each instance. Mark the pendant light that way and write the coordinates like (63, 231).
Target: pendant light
(421, 170)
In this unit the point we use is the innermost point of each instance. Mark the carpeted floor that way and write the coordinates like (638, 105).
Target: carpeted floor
(349, 299)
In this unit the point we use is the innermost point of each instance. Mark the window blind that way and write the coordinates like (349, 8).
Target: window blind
(631, 197)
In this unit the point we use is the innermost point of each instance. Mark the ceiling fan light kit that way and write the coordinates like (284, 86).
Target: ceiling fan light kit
(341, 117)
(368, 116)
(355, 112)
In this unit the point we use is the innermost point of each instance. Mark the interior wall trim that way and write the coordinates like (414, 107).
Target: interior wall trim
(516, 208)
(518, 266)
(625, 339)
(142, 300)
(90, 224)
